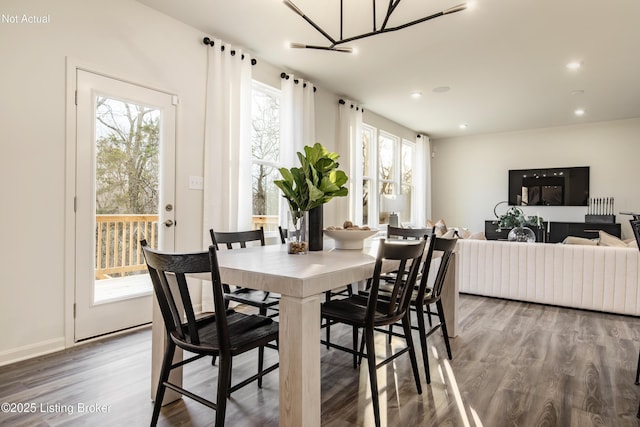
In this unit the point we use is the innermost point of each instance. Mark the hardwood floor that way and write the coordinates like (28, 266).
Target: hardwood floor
(515, 364)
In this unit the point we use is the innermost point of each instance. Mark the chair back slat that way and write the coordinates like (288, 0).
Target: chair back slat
(218, 300)
(407, 233)
(408, 255)
(229, 238)
(164, 268)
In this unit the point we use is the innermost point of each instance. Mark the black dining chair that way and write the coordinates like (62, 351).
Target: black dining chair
(407, 233)
(426, 295)
(225, 333)
(370, 312)
(263, 301)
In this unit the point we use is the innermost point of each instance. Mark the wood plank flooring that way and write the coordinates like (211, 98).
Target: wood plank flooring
(515, 364)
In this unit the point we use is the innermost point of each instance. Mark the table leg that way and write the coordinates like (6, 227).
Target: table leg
(450, 298)
(300, 361)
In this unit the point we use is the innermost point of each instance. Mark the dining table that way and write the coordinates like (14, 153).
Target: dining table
(301, 280)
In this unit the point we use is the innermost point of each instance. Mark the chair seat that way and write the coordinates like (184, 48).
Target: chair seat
(244, 332)
(353, 311)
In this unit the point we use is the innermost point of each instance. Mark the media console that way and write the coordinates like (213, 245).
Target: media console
(557, 231)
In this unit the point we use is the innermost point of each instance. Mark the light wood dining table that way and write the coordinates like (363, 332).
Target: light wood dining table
(301, 280)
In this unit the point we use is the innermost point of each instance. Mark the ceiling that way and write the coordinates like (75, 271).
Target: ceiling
(503, 60)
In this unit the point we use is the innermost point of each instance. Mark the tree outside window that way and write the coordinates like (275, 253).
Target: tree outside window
(265, 154)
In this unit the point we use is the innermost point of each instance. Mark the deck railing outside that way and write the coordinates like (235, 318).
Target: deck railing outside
(269, 222)
(118, 250)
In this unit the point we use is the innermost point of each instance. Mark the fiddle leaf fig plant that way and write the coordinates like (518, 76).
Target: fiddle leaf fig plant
(315, 182)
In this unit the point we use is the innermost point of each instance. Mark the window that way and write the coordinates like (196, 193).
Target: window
(406, 179)
(265, 156)
(387, 168)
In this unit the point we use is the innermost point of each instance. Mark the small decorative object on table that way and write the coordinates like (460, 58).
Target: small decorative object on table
(521, 234)
(349, 236)
(600, 211)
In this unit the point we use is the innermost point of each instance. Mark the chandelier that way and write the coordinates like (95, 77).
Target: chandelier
(336, 44)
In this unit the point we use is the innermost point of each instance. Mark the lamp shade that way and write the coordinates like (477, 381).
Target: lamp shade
(391, 202)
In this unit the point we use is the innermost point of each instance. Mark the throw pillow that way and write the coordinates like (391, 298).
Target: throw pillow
(478, 235)
(440, 227)
(607, 239)
(573, 240)
(464, 233)
(450, 234)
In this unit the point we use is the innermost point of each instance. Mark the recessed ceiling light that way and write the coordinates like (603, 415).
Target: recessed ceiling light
(579, 112)
(574, 65)
(417, 94)
(463, 126)
(441, 89)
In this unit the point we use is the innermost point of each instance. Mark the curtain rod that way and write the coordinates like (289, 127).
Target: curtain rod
(211, 43)
(286, 76)
(342, 102)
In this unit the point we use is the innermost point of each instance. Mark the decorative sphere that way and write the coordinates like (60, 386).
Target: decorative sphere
(522, 234)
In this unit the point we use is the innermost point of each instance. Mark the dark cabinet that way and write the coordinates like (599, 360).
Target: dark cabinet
(491, 231)
(558, 231)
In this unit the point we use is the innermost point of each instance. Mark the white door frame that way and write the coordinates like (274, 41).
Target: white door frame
(72, 65)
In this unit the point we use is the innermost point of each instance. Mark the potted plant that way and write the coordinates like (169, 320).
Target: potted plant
(519, 223)
(308, 187)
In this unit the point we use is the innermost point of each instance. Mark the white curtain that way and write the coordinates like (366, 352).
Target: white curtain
(227, 141)
(422, 175)
(297, 124)
(350, 149)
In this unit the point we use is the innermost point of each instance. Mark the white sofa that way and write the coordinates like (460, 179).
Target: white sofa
(586, 277)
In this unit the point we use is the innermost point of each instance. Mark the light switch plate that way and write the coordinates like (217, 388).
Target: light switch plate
(196, 183)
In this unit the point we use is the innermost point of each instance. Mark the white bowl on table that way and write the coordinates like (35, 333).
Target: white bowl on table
(349, 239)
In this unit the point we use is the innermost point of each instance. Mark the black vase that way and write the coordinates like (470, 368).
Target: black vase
(315, 229)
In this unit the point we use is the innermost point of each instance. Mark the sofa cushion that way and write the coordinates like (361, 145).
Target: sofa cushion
(574, 240)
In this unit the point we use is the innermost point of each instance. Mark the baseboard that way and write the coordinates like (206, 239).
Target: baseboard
(29, 351)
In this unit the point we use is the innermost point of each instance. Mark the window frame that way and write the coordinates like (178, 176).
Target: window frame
(374, 180)
(276, 164)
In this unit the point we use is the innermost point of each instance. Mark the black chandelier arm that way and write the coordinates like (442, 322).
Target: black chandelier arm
(334, 44)
(390, 9)
(306, 18)
(387, 30)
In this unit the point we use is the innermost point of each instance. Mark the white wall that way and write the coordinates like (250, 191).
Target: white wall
(470, 173)
(121, 38)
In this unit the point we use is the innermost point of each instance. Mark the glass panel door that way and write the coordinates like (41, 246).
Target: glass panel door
(124, 190)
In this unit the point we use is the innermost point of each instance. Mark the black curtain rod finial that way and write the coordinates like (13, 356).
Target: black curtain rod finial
(341, 101)
(208, 41)
(254, 61)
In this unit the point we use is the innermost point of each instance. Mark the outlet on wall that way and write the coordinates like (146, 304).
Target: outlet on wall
(196, 183)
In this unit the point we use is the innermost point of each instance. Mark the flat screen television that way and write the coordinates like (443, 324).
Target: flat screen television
(549, 187)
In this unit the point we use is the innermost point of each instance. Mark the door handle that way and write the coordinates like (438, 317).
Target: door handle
(168, 223)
